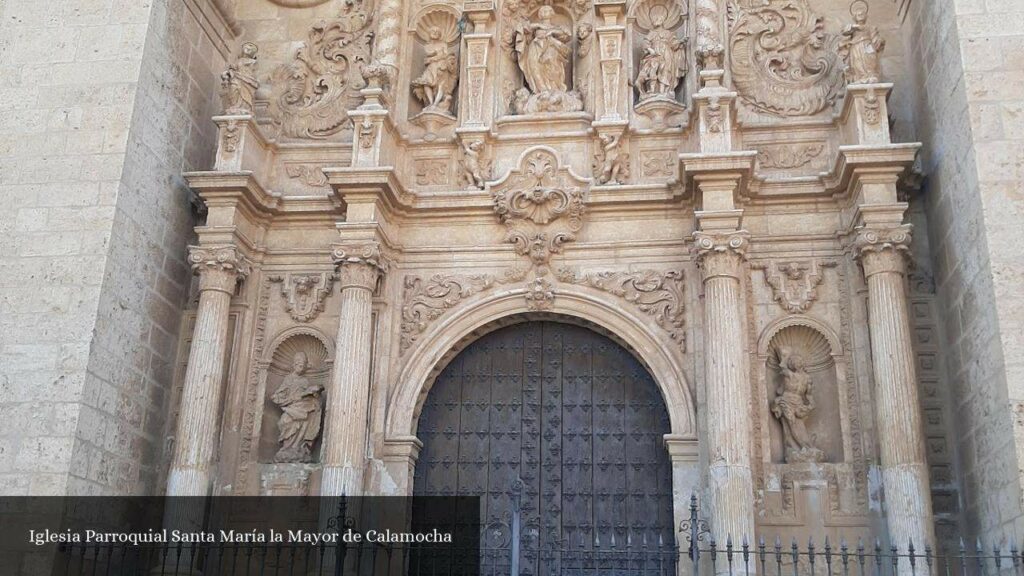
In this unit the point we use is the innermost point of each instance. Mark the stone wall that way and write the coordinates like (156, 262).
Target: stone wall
(105, 102)
(968, 76)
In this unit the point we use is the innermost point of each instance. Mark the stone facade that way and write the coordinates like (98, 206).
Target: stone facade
(382, 182)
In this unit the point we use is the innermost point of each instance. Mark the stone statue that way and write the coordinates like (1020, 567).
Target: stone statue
(435, 85)
(663, 64)
(542, 50)
(238, 83)
(611, 163)
(861, 48)
(299, 426)
(472, 167)
(794, 401)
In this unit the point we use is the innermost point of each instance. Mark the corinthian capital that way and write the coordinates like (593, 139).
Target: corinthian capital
(219, 266)
(883, 249)
(359, 264)
(721, 253)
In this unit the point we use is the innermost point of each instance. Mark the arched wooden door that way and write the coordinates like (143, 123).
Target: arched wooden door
(580, 420)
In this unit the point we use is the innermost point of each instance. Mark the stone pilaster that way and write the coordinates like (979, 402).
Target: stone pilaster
(882, 253)
(611, 38)
(720, 256)
(474, 111)
(684, 453)
(347, 413)
(198, 429)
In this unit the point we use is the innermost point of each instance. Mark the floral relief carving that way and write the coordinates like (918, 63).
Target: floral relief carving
(658, 294)
(540, 207)
(426, 300)
(794, 284)
(788, 156)
(311, 95)
(431, 172)
(782, 60)
(540, 295)
(658, 164)
(304, 294)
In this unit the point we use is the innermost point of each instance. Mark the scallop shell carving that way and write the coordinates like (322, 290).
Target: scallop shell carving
(806, 341)
(670, 13)
(314, 349)
(441, 18)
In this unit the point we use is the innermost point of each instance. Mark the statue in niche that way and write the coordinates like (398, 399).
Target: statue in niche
(794, 401)
(861, 48)
(543, 49)
(663, 63)
(299, 425)
(435, 85)
(238, 83)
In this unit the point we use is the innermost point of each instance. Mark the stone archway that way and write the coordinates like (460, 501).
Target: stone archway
(572, 413)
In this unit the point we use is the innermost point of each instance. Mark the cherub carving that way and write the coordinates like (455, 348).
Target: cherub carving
(472, 166)
(238, 83)
(435, 85)
(794, 401)
(611, 163)
(299, 425)
(861, 48)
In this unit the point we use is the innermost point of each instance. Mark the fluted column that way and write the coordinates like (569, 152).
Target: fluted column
(347, 414)
(219, 268)
(882, 254)
(726, 379)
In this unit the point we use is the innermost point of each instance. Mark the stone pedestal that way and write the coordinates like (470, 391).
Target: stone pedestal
(882, 253)
(219, 269)
(347, 412)
(720, 255)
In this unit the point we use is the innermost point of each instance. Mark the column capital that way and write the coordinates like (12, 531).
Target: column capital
(883, 249)
(359, 264)
(721, 253)
(219, 266)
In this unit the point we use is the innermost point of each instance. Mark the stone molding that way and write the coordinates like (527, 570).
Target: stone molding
(721, 253)
(219, 267)
(883, 249)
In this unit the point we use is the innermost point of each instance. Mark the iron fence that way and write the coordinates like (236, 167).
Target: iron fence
(503, 550)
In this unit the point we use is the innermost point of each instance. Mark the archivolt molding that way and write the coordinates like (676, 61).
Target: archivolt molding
(476, 317)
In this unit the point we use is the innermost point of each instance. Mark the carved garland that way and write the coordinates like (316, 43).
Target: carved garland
(248, 441)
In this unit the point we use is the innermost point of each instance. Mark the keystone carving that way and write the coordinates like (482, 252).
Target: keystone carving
(540, 205)
(794, 284)
(304, 294)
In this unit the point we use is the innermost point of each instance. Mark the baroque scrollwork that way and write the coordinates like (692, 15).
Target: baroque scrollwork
(658, 294)
(304, 294)
(794, 284)
(787, 156)
(783, 61)
(311, 95)
(541, 206)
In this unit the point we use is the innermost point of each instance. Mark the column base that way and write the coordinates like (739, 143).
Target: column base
(346, 480)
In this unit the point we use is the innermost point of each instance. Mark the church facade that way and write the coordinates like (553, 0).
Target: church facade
(602, 255)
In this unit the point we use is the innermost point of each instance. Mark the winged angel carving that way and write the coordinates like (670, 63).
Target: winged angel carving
(312, 94)
(783, 61)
